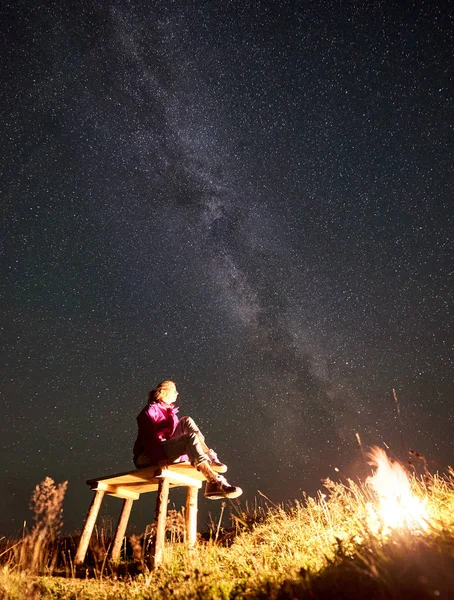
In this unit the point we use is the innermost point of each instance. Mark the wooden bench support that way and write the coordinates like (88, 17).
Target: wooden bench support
(121, 528)
(90, 521)
(191, 515)
(160, 519)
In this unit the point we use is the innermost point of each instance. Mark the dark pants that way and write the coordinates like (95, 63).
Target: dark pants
(186, 439)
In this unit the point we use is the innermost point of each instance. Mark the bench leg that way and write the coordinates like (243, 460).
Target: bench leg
(121, 528)
(191, 515)
(90, 521)
(160, 519)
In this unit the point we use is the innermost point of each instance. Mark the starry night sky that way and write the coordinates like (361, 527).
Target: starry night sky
(253, 198)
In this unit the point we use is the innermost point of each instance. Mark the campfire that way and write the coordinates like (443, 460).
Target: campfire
(396, 506)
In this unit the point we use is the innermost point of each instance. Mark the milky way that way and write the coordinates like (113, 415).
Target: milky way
(253, 199)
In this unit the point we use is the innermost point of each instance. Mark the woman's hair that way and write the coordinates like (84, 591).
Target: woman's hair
(161, 391)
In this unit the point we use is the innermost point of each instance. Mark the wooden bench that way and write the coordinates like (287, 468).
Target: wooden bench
(129, 486)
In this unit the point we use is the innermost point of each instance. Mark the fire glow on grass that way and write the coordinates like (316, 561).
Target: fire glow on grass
(397, 506)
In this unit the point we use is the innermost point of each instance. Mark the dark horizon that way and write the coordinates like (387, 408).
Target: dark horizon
(252, 200)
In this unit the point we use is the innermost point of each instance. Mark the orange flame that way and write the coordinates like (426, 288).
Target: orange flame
(397, 507)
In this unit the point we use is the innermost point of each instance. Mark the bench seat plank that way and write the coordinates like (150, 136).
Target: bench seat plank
(141, 481)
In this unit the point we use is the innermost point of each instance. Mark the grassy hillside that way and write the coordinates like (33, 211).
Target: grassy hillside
(344, 543)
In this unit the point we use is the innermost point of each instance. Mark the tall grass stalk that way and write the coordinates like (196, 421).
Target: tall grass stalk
(34, 551)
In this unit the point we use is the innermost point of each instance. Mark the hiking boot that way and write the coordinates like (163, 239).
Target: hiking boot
(215, 463)
(216, 490)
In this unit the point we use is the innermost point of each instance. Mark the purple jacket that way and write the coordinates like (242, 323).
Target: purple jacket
(156, 424)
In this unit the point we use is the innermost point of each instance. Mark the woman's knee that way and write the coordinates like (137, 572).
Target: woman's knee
(189, 424)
